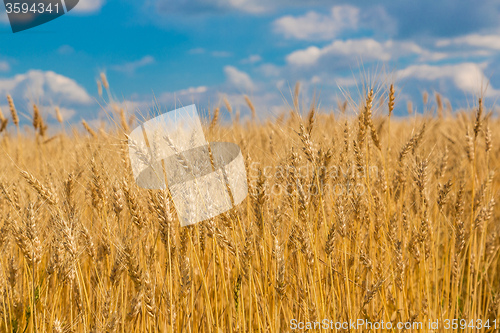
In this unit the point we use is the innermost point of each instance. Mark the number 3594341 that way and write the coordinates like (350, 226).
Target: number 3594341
(35, 8)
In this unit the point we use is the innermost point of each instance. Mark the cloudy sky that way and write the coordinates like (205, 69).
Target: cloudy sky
(180, 51)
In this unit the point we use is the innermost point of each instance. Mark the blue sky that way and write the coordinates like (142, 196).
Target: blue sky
(181, 51)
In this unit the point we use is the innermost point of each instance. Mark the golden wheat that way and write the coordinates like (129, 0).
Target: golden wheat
(348, 216)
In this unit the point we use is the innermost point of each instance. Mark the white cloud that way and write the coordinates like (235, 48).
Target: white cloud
(316, 79)
(216, 54)
(88, 6)
(131, 67)
(49, 86)
(468, 77)
(65, 50)
(197, 50)
(306, 57)
(224, 6)
(66, 113)
(269, 70)
(4, 66)
(140, 107)
(316, 26)
(187, 95)
(193, 90)
(252, 59)
(345, 81)
(239, 79)
(365, 48)
(221, 54)
(476, 40)
(250, 6)
(267, 103)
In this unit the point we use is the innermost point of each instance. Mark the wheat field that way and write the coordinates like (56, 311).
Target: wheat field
(351, 215)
